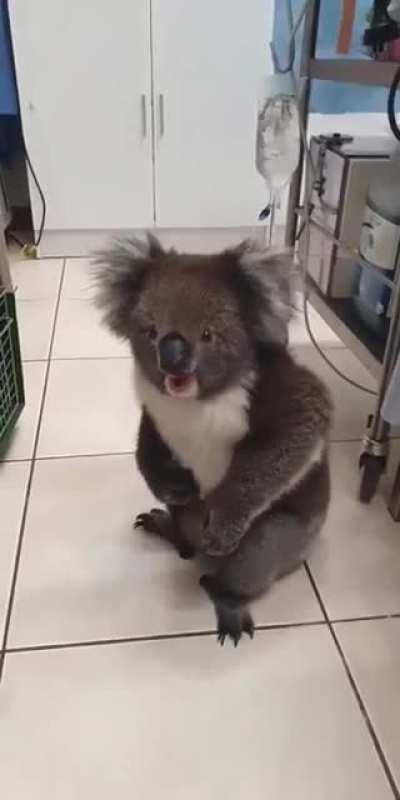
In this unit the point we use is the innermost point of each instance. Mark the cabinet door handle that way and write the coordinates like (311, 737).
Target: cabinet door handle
(161, 112)
(144, 116)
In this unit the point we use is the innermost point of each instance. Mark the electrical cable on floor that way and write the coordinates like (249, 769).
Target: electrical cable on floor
(322, 354)
(293, 28)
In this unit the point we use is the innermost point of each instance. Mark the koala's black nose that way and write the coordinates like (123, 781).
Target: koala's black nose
(174, 354)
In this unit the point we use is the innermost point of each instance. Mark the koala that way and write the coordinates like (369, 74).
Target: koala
(233, 433)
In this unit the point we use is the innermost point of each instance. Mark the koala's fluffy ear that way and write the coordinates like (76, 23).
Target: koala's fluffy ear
(119, 272)
(268, 276)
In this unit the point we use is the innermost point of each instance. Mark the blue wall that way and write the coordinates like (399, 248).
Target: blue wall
(8, 98)
(329, 97)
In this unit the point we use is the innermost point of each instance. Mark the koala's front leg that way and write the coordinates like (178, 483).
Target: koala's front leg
(264, 468)
(171, 483)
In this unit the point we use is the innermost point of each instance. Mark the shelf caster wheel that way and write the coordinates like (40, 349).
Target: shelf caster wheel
(372, 468)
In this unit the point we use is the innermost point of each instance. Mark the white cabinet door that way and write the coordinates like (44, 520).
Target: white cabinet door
(209, 57)
(84, 79)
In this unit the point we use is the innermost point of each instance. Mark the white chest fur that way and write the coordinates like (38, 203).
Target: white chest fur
(201, 433)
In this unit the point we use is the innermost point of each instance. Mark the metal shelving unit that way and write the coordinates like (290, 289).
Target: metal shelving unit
(352, 70)
(378, 357)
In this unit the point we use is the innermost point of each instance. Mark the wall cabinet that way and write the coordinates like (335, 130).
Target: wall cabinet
(142, 112)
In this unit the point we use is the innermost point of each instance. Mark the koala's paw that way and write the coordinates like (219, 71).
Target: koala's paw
(155, 521)
(233, 626)
(160, 523)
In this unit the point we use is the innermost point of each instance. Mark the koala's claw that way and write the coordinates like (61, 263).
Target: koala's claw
(235, 629)
(221, 638)
(235, 637)
(153, 521)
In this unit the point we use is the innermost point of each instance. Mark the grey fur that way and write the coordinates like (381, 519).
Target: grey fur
(273, 273)
(260, 520)
(118, 273)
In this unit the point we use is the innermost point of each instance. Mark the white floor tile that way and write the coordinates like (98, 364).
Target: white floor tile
(13, 479)
(324, 335)
(322, 332)
(80, 334)
(35, 324)
(21, 441)
(36, 279)
(351, 406)
(275, 718)
(85, 574)
(89, 408)
(78, 281)
(356, 563)
(372, 650)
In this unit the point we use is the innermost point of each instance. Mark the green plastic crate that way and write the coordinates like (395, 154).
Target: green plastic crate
(12, 397)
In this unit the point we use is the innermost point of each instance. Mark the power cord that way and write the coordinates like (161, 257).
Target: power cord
(293, 27)
(38, 238)
(323, 355)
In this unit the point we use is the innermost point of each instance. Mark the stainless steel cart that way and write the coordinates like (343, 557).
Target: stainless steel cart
(379, 359)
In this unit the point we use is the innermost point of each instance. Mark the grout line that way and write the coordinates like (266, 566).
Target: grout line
(363, 709)
(34, 360)
(69, 455)
(132, 452)
(86, 455)
(92, 358)
(63, 258)
(78, 358)
(29, 483)
(14, 461)
(42, 258)
(156, 637)
(366, 618)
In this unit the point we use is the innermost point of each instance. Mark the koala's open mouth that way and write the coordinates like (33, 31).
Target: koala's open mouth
(182, 386)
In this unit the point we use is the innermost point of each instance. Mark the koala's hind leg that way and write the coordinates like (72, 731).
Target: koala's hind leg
(276, 544)
(233, 616)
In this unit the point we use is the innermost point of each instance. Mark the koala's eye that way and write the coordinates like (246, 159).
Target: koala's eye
(206, 335)
(152, 332)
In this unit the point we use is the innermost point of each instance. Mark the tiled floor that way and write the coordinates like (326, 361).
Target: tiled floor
(113, 685)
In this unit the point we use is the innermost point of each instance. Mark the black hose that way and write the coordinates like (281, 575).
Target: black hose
(392, 103)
